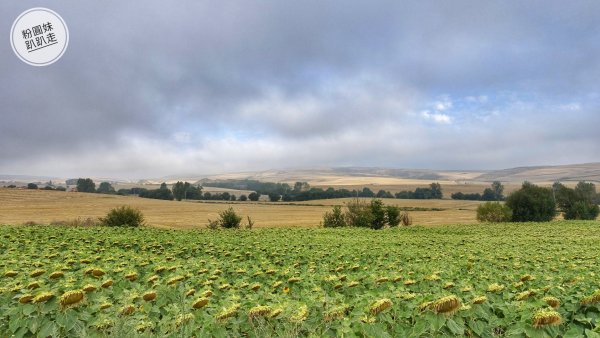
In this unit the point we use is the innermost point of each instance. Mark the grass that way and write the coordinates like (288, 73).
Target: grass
(45, 207)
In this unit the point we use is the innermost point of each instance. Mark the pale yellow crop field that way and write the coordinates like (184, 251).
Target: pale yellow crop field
(39, 206)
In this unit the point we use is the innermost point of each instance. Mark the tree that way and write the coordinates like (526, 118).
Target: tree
(378, 212)
(105, 188)
(254, 196)
(335, 218)
(578, 203)
(436, 190)
(493, 212)
(32, 186)
(86, 185)
(532, 203)
(366, 192)
(243, 198)
(180, 190)
(498, 190)
(273, 197)
(225, 196)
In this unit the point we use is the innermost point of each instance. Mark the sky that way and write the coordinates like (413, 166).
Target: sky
(148, 89)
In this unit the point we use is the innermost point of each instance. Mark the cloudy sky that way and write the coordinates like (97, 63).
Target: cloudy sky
(150, 88)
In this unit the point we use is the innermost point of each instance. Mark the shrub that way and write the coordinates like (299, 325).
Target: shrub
(532, 204)
(378, 213)
(243, 198)
(250, 223)
(374, 215)
(578, 203)
(405, 219)
(392, 215)
(32, 186)
(335, 218)
(229, 219)
(358, 214)
(493, 212)
(254, 196)
(125, 216)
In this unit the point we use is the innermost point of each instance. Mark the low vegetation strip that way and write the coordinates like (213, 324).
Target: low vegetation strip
(506, 279)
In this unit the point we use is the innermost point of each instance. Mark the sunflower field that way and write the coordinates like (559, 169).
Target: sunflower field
(501, 280)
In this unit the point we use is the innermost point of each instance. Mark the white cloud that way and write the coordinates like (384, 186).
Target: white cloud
(436, 117)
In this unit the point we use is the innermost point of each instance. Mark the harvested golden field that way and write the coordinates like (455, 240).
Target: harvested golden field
(40, 206)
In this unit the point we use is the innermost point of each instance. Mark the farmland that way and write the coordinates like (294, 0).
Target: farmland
(44, 207)
(536, 280)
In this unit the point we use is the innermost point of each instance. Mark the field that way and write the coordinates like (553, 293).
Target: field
(512, 280)
(43, 207)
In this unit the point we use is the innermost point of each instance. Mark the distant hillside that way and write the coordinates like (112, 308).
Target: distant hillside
(566, 173)
(356, 176)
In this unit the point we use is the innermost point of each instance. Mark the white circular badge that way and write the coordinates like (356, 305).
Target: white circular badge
(39, 36)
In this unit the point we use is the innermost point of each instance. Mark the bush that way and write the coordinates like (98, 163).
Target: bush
(243, 198)
(358, 214)
(250, 223)
(493, 212)
(335, 218)
(405, 219)
(254, 196)
(578, 203)
(229, 219)
(32, 186)
(532, 204)
(374, 215)
(392, 215)
(123, 216)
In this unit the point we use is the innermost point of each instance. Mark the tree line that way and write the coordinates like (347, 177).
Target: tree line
(533, 203)
(494, 193)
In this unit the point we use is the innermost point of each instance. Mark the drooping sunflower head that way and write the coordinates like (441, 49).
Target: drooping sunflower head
(479, 300)
(71, 298)
(546, 318)
(380, 305)
(259, 311)
(446, 305)
(149, 296)
(552, 301)
(43, 297)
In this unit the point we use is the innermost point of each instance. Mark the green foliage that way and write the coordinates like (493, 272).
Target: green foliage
(86, 185)
(162, 193)
(32, 186)
(229, 219)
(532, 203)
(392, 215)
(317, 282)
(433, 192)
(494, 193)
(243, 198)
(254, 196)
(274, 197)
(378, 213)
(180, 190)
(358, 214)
(578, 203)
(335, 218)
(123, 216)
(493, 212)
(105, 188)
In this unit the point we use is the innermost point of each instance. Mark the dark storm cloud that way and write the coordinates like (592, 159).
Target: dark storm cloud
(250, 84)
